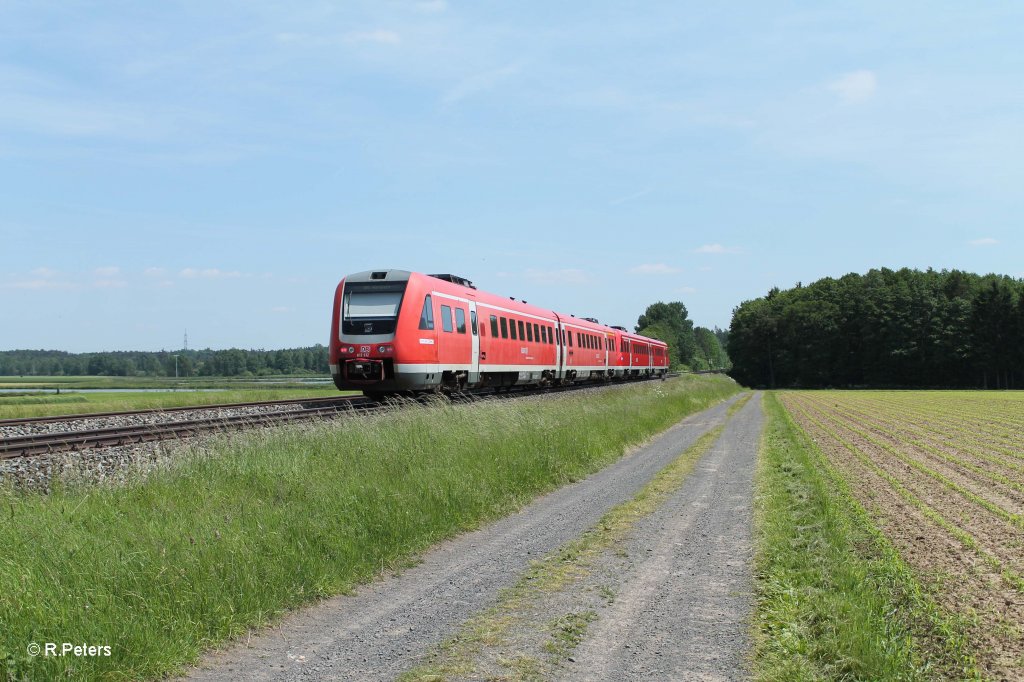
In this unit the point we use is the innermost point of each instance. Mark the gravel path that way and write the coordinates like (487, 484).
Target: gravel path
(387, 627)
(682, 608)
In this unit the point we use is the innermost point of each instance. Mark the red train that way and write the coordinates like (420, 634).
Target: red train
(395, 331)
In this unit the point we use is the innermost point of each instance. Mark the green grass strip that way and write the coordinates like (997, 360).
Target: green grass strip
(85, 403)
(835, 601)
(163, 568)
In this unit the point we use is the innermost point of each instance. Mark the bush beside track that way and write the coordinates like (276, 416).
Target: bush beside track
(164, 568)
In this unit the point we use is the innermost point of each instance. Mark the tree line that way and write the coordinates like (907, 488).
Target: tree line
(689, 347)
(886, 328)
(184, 363)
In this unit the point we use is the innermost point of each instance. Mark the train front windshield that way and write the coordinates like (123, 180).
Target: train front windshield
(370, 308)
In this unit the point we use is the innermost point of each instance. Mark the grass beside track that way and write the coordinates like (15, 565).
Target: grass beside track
(835, 601)
(164, 568)
(16, 407)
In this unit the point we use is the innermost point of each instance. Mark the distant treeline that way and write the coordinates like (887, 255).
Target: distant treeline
(689, 347)
(903, 328)
(227, 363)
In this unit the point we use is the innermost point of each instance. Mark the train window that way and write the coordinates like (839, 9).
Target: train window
(522, 336)
(494, 326)
(512, 325)
(551, 339)
(504, 328)
(472, 321)
(529, 332)
(460, 320)
(446, 318)
(569, 335)
(543, 334)
(427, 314)
(536, 332)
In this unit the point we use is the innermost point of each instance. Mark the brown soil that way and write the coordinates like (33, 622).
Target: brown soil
(958, 577)
(1006, 495)
(992, 532)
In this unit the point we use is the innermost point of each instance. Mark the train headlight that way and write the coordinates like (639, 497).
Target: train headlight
(351, 349)
(384, 349)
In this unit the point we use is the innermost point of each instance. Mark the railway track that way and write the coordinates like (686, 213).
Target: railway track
(168, 410)
(306, 409)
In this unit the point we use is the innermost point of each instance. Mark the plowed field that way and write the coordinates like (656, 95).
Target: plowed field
(942, 473)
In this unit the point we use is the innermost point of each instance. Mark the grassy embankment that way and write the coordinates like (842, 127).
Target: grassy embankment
(49, 384)
(51, 404)
(835, 601)
(163, 568)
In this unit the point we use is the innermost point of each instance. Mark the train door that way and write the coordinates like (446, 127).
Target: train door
(559, 349)
(474, 368)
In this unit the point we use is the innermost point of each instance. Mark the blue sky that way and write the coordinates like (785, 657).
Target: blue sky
(219, 166)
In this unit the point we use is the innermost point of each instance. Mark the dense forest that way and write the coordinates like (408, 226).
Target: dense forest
(228, 363)
(887, 328)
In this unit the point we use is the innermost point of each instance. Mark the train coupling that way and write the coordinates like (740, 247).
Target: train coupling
(363, 369)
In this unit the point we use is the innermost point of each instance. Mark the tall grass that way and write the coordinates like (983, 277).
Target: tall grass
(164, 567)
(835, 601)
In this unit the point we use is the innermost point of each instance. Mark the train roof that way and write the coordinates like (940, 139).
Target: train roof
(486, 298)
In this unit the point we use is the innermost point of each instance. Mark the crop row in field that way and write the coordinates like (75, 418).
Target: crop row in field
(948, 494)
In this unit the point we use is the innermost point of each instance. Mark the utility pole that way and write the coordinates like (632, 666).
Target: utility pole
(175, 366)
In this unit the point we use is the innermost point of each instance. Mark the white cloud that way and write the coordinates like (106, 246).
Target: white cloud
(380, 36)
(654, 269)
(716, 248)
(108, 271)
(630, 197)
(154, 272)
(110, 284)
(432, 6)
(566, 276)
(44, 272)
(984, 241)
(40, 285)
(855, 87)
(208, 273)
(479, 83)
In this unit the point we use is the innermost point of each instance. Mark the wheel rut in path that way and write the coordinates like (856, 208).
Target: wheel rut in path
(685, 597)
(387, 627)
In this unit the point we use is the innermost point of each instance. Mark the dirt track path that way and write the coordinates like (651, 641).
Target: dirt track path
(386, 628)
(683, 604)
